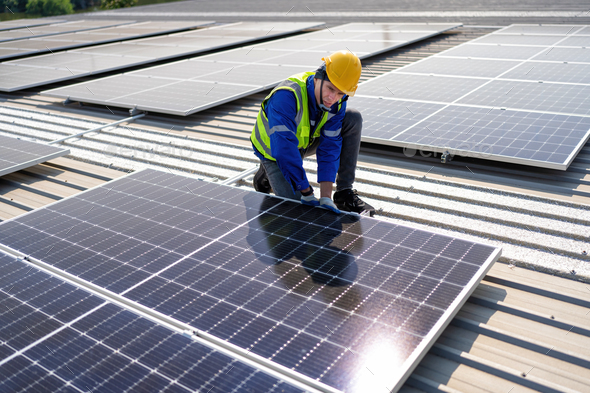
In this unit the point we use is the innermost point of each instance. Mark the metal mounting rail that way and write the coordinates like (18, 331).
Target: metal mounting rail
(127, 119)
(239, 176)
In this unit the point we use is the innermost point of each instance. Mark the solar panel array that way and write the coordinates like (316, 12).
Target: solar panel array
(55, 336)
(517, 95)
(93, 37)
(59, 28)
(24, 23)
(346, 300)
(193, 85)
(26, 73)
(16, 154)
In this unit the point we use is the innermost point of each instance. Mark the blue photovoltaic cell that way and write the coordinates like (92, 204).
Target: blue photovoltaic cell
(34, 304)
(79, 341)
(296, 285)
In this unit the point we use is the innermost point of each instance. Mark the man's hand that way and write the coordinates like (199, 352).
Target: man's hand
(310, 200)
(327, 203)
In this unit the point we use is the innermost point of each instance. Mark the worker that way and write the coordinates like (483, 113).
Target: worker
(304, 115)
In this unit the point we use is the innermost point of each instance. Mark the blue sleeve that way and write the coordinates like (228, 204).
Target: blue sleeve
(281, 110)
(328, 152)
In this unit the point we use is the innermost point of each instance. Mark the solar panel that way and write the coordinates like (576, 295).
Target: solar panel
(551, 72)
(502, 39)
(349, 301)
(493, 52)
(580, 55)
(293, 54)
(72, 64)
(515, 95)
(55, 335)
(24, 23)
(419, 87)
(16, 154)
(59, 28)
(99, 36)
(583, 41)
(461, 67)
(541, 29)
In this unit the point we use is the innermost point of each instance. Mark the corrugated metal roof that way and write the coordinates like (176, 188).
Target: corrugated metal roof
(518, 320)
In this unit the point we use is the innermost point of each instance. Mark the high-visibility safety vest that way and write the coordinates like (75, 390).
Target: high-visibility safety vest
(261, 133)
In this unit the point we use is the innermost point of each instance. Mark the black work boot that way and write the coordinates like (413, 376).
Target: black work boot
(261, 183)
(348, 200)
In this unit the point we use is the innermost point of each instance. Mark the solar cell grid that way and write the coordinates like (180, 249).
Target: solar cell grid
(527, 70)
(551, 72)
(303, 52)
(461, 67)
(580, 55)
(55, 336)
(104, 58)
(34, 304)
(545, 97)
(510, 39)
(541, 29)
(494, 51)
(419, 87)
(384, 118)
(293, 284)
(583, 41)
(481, 132)
(393, 27)
(24, 23)
(584, 31)
(16, 154)
(58, 28)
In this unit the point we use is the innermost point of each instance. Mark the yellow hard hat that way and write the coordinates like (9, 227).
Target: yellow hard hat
(344, 71)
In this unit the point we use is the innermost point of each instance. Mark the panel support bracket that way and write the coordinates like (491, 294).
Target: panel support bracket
(135, 111)
(446, 157)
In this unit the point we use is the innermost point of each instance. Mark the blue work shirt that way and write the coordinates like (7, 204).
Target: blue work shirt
(281, 110)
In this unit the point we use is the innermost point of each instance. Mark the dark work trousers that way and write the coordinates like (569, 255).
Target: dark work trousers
(352, 125)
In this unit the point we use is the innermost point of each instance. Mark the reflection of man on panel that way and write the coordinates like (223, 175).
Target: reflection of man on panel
(302, 243)
(305, 115)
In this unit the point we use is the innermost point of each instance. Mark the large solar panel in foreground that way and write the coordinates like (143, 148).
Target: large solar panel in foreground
(517, 95)
(40, 70)
(57, 337)
(349, 301)
(193, 85)
(16, 154)
(59, 28)
(40, 45)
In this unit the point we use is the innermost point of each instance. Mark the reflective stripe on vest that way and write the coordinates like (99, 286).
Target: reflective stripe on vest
(261, 133)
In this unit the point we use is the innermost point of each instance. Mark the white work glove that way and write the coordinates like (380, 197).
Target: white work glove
(327, 203)
(310, 200)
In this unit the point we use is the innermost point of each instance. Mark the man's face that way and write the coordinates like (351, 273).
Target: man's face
(330, 93)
